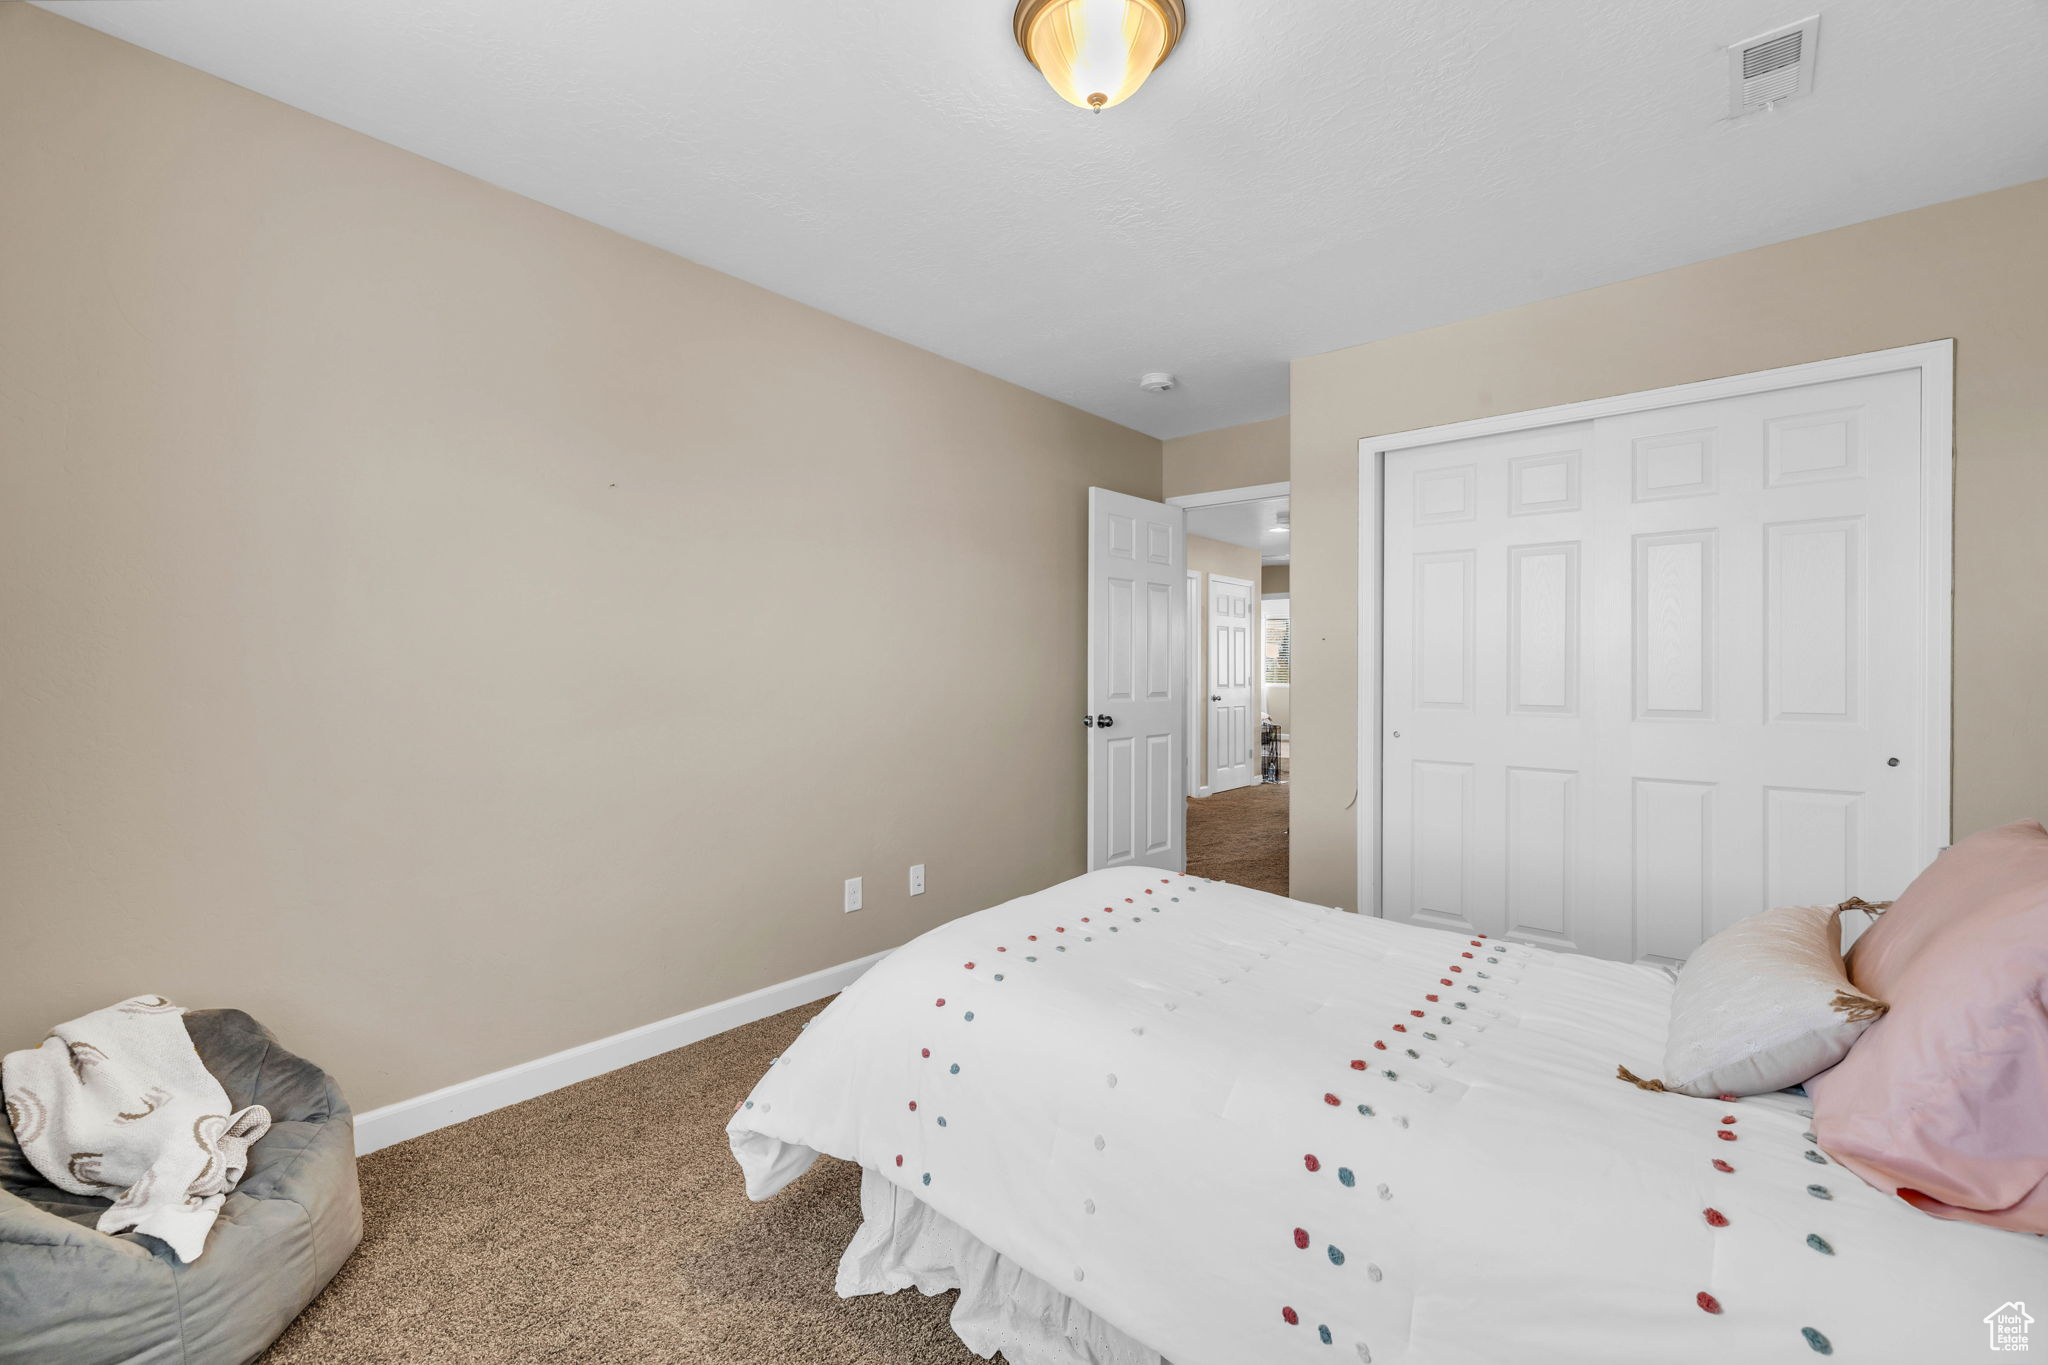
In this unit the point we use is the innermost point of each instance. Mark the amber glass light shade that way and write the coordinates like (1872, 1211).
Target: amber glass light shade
(1096, 53)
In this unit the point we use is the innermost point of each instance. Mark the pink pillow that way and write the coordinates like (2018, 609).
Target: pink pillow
(1945, 1099)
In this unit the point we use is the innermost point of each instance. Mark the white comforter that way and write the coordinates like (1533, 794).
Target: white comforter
(1244, 1129)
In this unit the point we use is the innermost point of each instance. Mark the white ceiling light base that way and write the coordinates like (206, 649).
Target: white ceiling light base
(1096, 53)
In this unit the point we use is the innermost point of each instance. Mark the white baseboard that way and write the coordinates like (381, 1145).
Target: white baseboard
(467, 1099)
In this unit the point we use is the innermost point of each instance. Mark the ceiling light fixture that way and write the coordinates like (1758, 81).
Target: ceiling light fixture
(1096, 53)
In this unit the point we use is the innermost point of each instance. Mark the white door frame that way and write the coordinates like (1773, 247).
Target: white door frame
(1198, 690)
(1935, 362)
(1198, 710)
(1223, 497)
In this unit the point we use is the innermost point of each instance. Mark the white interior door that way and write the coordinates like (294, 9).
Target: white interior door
(1649, 674)
(1136, 718)
(1232, 695)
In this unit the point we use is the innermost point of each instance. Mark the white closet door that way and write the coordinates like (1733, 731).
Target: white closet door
(1645, 676)
(1492, 711)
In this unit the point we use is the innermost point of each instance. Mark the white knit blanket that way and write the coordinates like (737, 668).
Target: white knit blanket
(116, 1103)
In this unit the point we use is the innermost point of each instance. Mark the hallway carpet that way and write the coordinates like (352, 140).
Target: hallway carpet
(607, 1223)
(1241, 836)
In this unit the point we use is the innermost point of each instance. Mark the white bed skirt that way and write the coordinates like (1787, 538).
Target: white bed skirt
(904, 1244)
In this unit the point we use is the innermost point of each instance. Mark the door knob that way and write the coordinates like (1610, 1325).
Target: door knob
(1214, 697)
(1103, 722)
(1088, 721)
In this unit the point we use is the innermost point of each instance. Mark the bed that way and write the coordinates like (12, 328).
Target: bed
(1141, 1117)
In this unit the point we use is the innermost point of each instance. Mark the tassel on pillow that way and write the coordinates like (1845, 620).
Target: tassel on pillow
(1763, 1005)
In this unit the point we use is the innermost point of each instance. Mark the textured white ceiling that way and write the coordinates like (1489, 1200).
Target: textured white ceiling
(1301, 175)
(1254, 525)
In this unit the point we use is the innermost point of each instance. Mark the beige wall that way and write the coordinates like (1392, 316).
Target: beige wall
(361, 550)
(1206, 556)
(1229, 457)
(1273, 578)
(1975, 270)
(1279, 705)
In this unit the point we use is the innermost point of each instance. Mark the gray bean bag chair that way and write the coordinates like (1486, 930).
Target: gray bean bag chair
(72, 1296)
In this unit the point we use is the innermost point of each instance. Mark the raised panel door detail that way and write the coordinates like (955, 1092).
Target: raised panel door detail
(1543, 629)
(1810, 448)
(1543, 483)
(1674, 626)
(1672, 851)
(1809, 846)
(1814, 609)
(1442, 815)
(1229, 738)
(1542, 853)
(1120, 757)
(1675, 465)
(1159, 770)
(1159, 543)
(1446, 495)
(1118, 595)
(1123, 536)
(1159, 660)
(1443, 629)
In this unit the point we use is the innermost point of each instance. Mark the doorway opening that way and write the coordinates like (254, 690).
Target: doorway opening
(1240, 660)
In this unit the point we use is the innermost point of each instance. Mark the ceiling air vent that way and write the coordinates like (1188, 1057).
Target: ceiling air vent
(1772, 66)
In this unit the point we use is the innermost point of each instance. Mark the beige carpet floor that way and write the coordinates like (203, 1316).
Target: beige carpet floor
(607, 1223)
(1241, 836)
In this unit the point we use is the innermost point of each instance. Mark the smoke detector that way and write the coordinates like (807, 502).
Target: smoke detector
(1157, 381)
(1772, 66)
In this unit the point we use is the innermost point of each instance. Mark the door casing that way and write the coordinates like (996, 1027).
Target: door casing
(1198, 779)
(1934, 361)
(1198, 706)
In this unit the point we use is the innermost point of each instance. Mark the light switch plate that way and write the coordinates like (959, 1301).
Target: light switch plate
(852, 894)
(917, 880)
